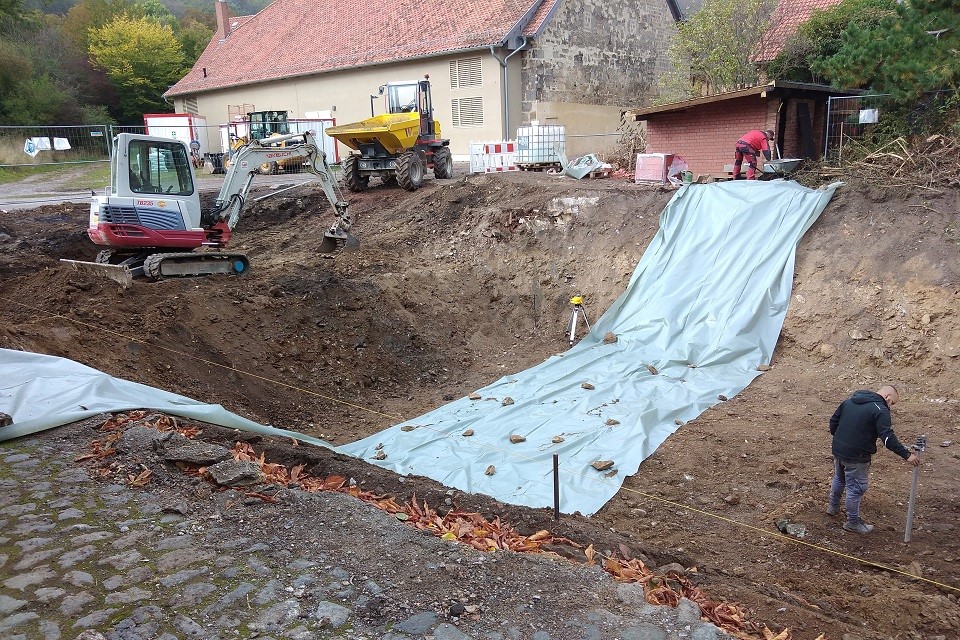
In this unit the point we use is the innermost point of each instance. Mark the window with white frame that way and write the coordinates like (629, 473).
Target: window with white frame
(467, 112)
(190, 105)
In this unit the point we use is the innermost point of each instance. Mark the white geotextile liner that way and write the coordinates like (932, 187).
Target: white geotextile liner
(41, 392)
(711, 290)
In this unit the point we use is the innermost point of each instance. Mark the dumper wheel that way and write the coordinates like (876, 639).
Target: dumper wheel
(410, 171)
(268, 169)
(351, 174)
(443, 163)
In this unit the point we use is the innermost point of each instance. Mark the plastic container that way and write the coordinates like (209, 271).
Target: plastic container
(652, 167)
(539, 144)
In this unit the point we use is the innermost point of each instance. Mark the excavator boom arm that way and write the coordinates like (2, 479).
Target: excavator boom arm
(248, 158)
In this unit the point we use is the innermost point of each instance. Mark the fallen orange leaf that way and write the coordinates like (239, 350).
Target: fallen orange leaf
(590, 553)
(140, 479)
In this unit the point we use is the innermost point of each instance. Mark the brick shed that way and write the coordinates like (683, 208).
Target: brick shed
(705, 130)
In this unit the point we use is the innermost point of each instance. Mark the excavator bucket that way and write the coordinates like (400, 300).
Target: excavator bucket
(115, 272)
(397, 132)
(333, 244)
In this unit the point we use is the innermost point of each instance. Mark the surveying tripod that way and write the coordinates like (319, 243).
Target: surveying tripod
(577, 302)
(919, 448)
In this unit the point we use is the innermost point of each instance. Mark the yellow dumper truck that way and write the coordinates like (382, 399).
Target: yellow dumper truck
(397, 146)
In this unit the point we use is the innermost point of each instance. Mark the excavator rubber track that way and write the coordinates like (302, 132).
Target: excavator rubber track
(173, 265)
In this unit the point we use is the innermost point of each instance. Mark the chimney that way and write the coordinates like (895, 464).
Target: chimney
(223, 19)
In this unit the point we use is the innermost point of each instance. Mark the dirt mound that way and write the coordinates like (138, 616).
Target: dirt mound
(460, 282)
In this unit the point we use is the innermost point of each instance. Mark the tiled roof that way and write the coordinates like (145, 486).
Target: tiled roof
(789, 15)
(540, 17)
(236, 21)
(298, 37)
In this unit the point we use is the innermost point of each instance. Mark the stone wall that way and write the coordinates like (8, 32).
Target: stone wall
(596, 52)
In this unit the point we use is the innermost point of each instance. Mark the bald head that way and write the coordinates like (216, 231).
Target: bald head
(890, 394)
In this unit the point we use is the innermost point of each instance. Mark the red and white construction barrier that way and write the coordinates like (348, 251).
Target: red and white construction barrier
(493, 157)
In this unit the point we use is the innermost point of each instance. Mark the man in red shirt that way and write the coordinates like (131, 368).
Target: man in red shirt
(749, 146)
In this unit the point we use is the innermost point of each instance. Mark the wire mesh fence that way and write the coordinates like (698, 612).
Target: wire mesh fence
(849, 117)
(44, 145)
(212, 145)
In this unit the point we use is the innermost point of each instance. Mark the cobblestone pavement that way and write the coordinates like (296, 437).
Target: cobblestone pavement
(84, 558)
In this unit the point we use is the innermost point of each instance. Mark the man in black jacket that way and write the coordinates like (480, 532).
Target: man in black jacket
(856, 425)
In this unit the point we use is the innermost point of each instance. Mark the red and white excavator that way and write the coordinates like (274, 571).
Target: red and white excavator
(152, 220)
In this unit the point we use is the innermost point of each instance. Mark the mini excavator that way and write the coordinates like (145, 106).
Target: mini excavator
(152, 221)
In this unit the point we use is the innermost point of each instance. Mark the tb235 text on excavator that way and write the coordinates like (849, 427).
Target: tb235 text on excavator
(152, 222)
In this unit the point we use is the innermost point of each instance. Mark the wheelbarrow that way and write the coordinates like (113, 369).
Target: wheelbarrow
(780, 168)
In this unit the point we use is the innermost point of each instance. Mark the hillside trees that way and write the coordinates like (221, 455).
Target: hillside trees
(50, 72)
(86, 15)
(142, 58)
(10, 8)
(713, 50)
(194, 32)
(911, 50)
(43, 78)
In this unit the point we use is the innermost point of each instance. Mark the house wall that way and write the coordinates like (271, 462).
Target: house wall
(706, 135)
(589, 128)
(594, 59)
(347, 95)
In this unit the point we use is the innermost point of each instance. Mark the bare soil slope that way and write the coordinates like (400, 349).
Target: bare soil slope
(463, 281)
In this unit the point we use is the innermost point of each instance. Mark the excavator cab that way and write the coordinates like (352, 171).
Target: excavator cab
(157, 169)
(153, 199)
(264, 124)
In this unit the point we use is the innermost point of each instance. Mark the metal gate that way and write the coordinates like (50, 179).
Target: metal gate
(848, 118)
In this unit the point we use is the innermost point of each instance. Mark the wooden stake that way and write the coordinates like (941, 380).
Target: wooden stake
(556, 486)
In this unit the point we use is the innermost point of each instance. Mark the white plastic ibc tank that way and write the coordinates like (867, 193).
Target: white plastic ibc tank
(538, 144)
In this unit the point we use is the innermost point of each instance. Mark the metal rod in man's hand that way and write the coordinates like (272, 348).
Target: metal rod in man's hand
(913, 497)
(556, 486)
(919, 447)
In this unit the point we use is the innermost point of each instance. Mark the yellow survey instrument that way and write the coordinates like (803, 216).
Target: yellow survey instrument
(578, 312)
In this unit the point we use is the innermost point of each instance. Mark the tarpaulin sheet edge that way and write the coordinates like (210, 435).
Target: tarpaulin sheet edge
(42, 392)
